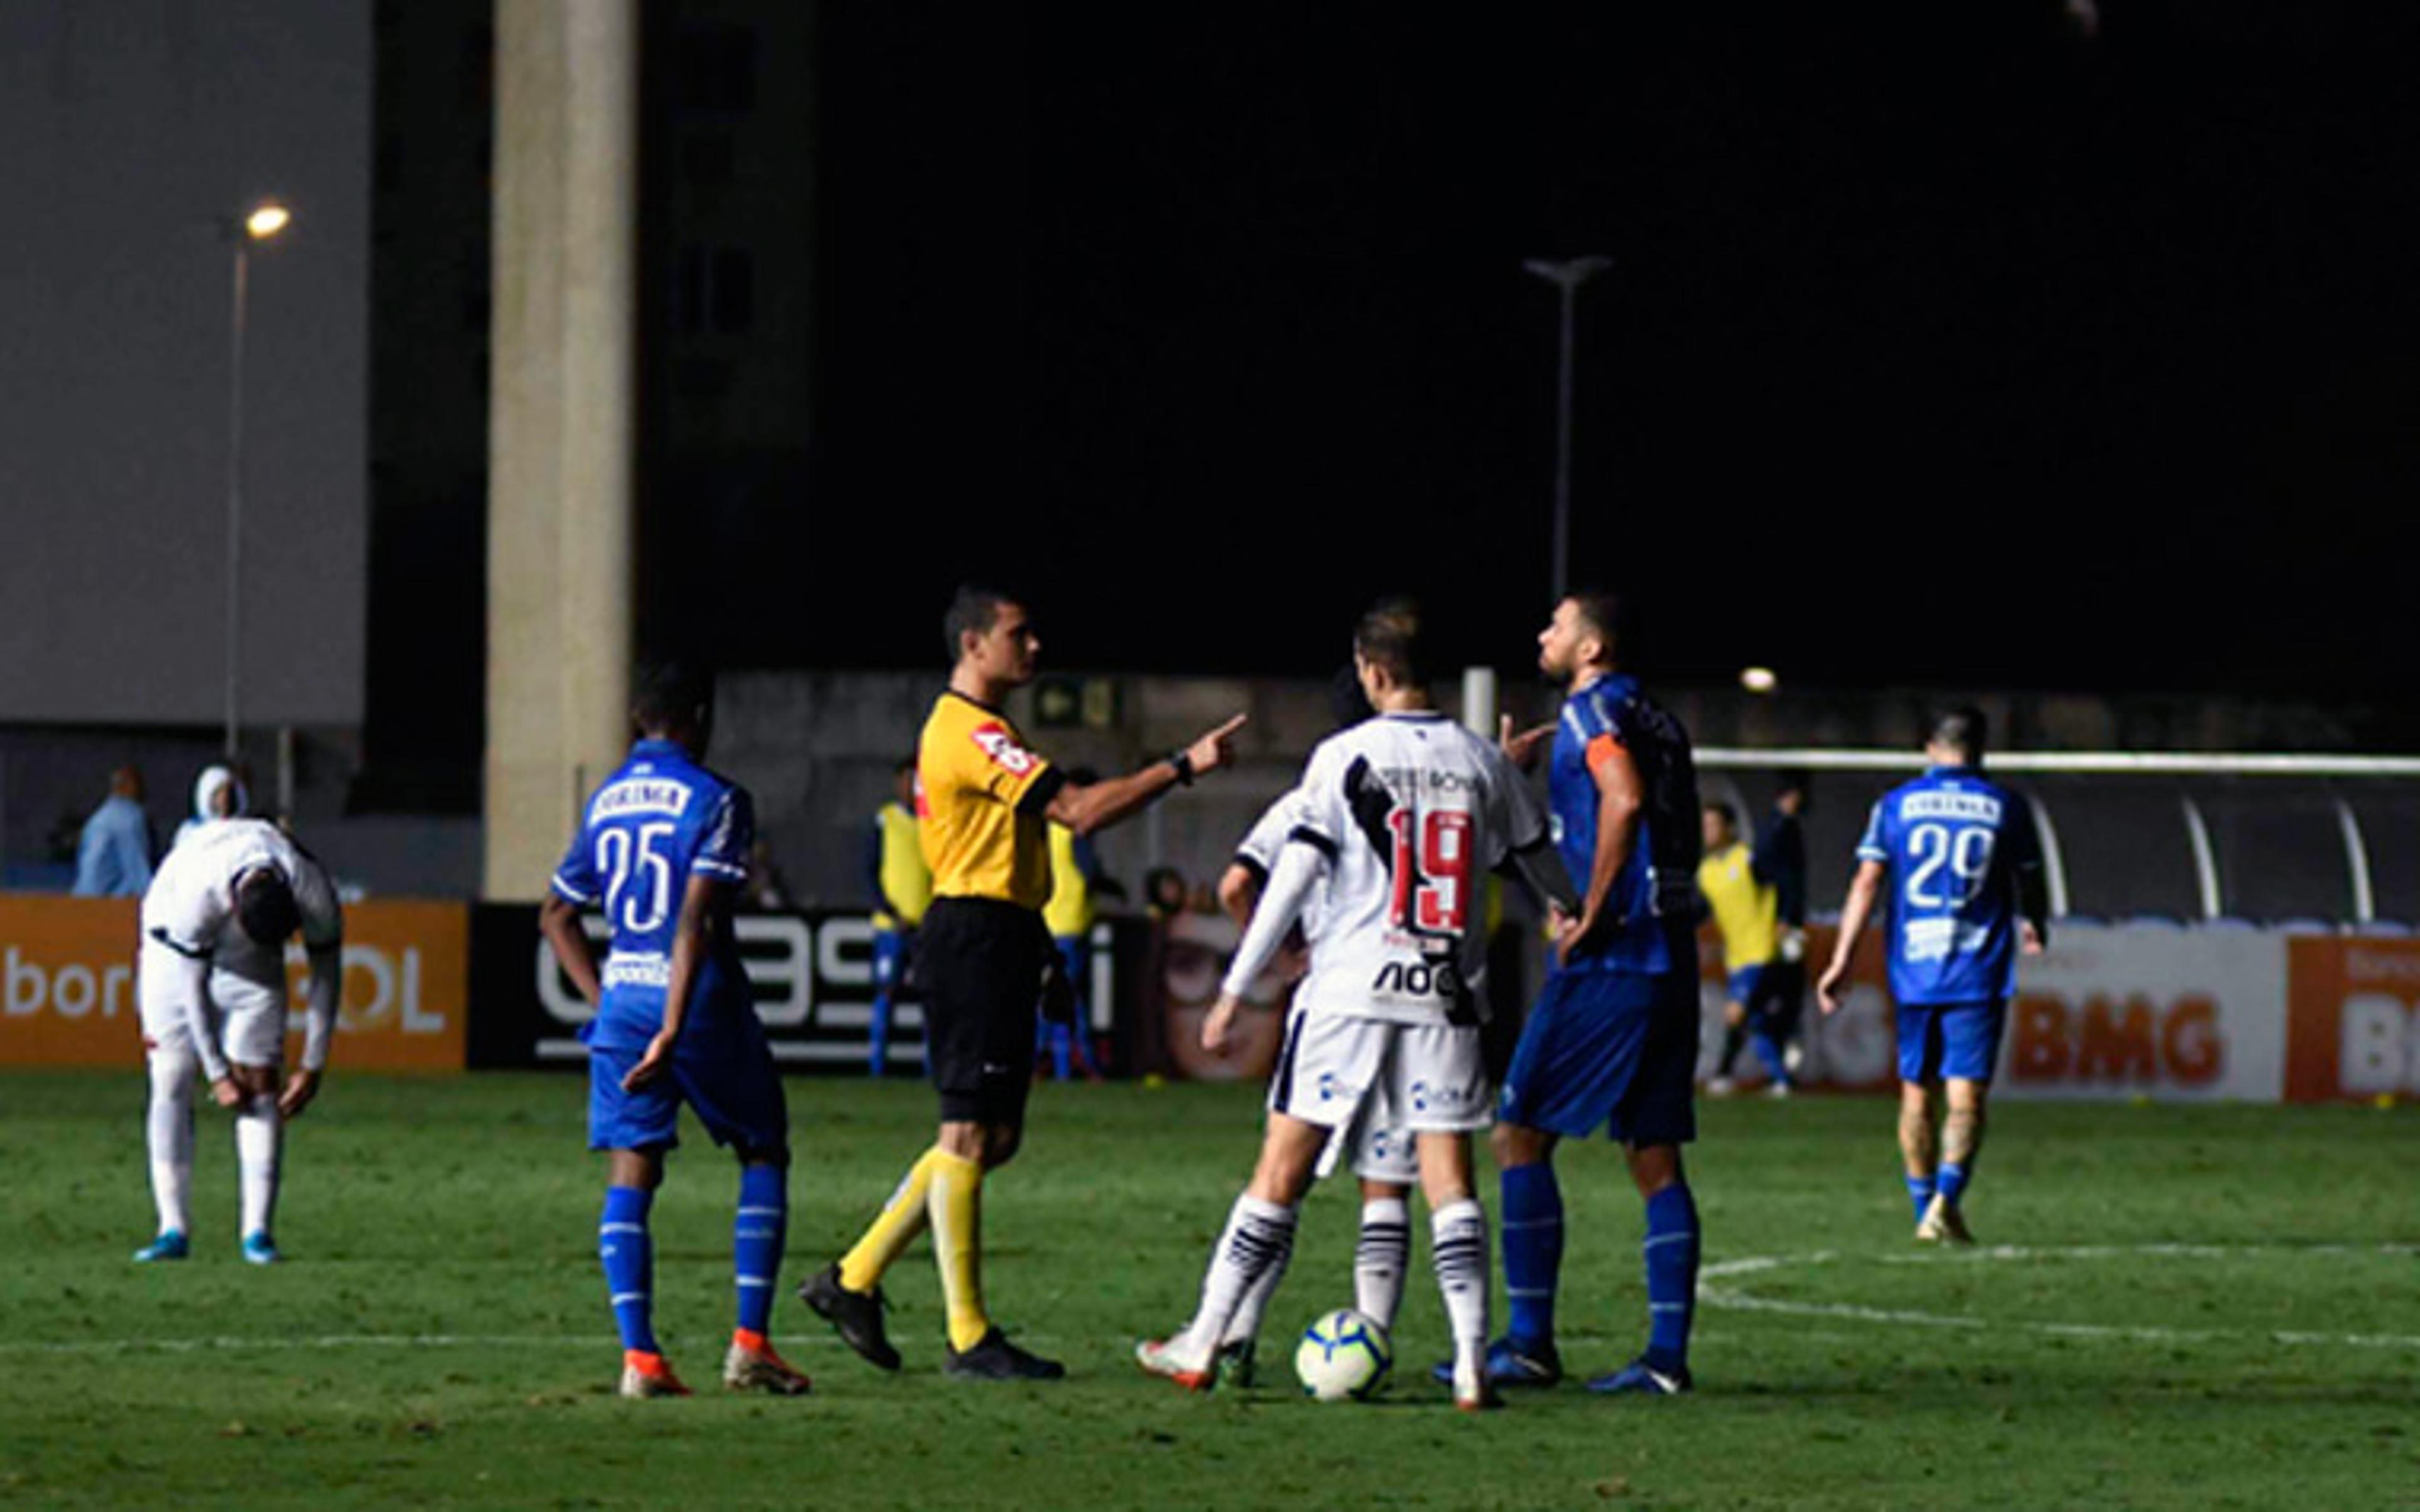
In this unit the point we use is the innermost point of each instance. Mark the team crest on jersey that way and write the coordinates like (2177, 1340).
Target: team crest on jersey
(1003, 750)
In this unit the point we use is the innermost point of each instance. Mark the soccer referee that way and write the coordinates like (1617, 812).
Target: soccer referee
(983, 801)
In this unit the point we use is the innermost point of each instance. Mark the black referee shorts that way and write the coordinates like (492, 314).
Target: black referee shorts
(980, 964)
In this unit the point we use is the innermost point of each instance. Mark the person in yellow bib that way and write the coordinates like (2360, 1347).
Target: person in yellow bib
(984, 802)
(1739, 888)
(1075, 877)
(902, 885)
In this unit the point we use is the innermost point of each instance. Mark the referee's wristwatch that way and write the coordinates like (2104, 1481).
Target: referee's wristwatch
(1183, 763)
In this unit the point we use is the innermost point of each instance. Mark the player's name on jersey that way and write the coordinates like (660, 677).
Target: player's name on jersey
(1941, 803)
(1434, 778)
(641, 794)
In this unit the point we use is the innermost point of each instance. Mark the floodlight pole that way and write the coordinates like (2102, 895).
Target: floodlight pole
(235, 490)
(1566, 275)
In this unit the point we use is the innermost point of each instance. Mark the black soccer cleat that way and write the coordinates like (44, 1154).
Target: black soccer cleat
(994, 1358)
(856, 1315)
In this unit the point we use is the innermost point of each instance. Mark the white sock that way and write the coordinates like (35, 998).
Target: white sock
(259, 1130)
(169, 1130)
(1380, 1258)
(1258, 1240)
(1246, 1325)
(1458, 1244)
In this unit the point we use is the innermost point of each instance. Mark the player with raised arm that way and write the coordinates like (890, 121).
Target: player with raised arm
(1397, 820)
(211, 987)
(1966, 898)
(1612, 1039)
(983, 798)
(662, 851)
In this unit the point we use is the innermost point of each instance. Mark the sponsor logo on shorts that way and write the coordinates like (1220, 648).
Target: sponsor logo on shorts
(1444, 1097)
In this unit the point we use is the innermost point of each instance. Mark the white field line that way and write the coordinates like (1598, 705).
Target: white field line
(1711, 1295)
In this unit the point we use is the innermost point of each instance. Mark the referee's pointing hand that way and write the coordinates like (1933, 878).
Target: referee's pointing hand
(1214, 749)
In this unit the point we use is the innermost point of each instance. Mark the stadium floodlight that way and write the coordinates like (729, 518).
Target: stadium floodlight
(1759, 679)
(260, 224)
(1567, 274)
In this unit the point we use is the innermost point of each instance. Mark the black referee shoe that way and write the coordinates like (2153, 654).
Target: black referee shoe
(994, 1358)
(857, 1314)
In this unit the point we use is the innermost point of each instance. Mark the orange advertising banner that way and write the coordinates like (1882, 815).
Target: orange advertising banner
(2352, 1018)
(67, 984)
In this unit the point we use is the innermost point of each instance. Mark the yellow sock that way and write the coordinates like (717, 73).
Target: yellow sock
(893, 1229)
(958, 1245)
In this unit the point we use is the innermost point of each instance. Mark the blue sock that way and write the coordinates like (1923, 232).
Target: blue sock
(629, 1257)
(1954, 1182)
(1533, 1250)
(1060, 1037)
(1768, 1054)
(1671, 1251)
(878, 1032)
(757, 1231)
(1920, 1193)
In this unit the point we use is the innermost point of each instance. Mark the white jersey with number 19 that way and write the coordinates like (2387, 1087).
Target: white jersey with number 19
(1409, 811)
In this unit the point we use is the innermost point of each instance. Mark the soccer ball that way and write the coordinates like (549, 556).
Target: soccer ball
(1343, 1355)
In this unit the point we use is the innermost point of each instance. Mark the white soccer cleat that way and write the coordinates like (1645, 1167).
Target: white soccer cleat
(1473, 1392)
(647, 1376)
(1776, 1089)
(1180, 1360)
(1721, 1087)
(1942, 1224)
(748, 1368)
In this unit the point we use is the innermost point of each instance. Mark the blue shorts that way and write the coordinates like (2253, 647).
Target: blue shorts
(1950, 1041)
(730, 1083)
(1612, 1048)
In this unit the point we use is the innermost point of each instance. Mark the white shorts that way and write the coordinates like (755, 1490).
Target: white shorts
(1377, 1083)
(251, 1014)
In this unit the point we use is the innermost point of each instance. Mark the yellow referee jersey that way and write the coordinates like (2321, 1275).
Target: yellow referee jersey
(1746, 910)
(980, 793)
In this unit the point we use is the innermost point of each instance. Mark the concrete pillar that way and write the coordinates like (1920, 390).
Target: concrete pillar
(561, 416)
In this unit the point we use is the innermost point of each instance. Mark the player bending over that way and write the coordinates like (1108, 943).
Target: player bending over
(662, 851)
(1612, 1038)
(1967, 897)
(1398, 818)
(211, 987)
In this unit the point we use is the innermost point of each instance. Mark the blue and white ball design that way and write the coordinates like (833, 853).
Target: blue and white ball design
(1343, 1356)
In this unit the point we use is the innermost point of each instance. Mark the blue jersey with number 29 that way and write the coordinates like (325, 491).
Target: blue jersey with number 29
(1954, 843)
(657, 822)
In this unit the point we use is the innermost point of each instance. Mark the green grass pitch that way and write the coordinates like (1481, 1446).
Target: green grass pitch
(2195, 1307)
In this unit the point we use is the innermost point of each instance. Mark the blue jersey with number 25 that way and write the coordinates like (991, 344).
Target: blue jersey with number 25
(1954, 843)
(657, 822)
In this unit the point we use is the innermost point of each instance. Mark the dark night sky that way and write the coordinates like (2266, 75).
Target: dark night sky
(1939, 351)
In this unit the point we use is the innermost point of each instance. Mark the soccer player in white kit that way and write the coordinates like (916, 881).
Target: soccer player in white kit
(211, 987)
(1397, 819)
(1384, 1156)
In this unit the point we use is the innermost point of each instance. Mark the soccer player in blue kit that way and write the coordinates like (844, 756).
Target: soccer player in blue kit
(662, 851)
(1612, 1039)
(1968, 899)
